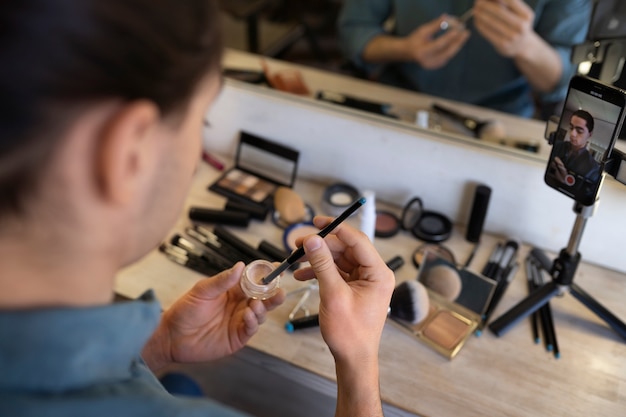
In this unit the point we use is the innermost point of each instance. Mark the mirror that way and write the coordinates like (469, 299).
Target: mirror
(389, 105)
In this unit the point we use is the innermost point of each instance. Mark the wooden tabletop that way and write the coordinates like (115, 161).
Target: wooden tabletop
(491, 376)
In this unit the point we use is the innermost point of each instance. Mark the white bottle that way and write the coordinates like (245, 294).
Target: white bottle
(367, 215)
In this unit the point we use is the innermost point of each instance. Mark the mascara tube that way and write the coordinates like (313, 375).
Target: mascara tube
(254, 211)
(229, 217)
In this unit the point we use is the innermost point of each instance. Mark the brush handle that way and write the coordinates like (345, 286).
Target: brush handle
(302, 323)
(469, 122)
(299, 252)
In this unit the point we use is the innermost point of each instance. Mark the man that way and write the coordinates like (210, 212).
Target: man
(508, 50)
(100, 133)
(572, 158)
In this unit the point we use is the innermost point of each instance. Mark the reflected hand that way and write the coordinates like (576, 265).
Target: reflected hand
(560, 172)
(214, 319)
(432, 52)
(506, 24)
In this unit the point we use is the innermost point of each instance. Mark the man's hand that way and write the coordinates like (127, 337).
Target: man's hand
(506, 24)
(431, 51)
(427, 45)
(355, 290)
(212, 320)
(560, 172)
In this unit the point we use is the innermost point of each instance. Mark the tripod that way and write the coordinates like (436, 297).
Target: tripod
(562, 271)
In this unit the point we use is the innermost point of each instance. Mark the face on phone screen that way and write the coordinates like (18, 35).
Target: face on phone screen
(587, 131)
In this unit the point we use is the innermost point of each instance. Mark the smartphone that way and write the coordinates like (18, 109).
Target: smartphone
(591, 120)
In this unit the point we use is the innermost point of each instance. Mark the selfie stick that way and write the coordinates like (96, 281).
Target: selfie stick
(562, 271)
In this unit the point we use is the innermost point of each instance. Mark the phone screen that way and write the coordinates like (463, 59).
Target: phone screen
(589, 124)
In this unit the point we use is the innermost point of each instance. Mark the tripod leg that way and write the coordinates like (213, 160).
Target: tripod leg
(524, 308)
(589, 302)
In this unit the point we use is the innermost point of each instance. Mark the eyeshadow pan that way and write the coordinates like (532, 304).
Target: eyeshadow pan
(387, 224)
(447, 329)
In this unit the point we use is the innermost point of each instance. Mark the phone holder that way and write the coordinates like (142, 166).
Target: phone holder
(563, 268)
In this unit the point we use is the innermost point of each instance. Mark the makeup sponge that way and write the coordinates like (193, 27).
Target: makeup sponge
(493, 129)
(444, 280)
(289, 205)
(409, 302)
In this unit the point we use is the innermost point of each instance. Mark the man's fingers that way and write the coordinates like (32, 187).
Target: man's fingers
(322, 263)
(218, 284)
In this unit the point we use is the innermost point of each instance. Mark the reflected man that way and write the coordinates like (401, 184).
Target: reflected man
(506, 54)
(573, 156)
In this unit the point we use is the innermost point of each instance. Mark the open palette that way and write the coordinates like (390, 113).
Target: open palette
(261, 166)
(457, 299)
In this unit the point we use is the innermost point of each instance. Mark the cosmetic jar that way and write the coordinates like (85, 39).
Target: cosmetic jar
(338, 197)
(251, 280)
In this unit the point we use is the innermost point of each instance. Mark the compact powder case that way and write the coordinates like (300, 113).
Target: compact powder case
(431, 251)
(475, 291)
(338, 197)
(457, 299)
(428, 226)
(387, 224)
(295, 231)
(446, 328)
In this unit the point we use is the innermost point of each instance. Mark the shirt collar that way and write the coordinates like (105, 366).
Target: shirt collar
(56, 349)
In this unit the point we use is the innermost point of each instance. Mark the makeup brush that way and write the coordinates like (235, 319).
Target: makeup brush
(409, 302)
(299, 252)
(444, 280)
(289, 205)
(481, 129)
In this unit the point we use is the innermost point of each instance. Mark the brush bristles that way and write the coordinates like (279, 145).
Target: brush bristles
(409, 302)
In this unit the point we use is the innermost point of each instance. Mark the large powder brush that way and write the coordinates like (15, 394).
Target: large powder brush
(409, 302)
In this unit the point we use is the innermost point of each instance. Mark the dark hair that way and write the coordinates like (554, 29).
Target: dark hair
(60, 55)
(586, 116)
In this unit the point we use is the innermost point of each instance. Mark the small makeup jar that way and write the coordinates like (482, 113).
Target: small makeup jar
(251, 278)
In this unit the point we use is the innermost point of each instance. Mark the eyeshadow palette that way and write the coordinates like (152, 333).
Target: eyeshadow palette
(247, 185)
(446, 328)
(261, 166)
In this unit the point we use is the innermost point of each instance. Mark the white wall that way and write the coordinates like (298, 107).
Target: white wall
(400, 162)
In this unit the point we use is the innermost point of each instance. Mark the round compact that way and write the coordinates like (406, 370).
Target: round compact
(429, 252)
(428, 226)
(295, 231)
(387, 224)
(338, 197)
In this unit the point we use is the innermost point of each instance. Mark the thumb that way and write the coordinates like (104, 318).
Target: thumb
(431, 28)
(322, 263)
(218, 284)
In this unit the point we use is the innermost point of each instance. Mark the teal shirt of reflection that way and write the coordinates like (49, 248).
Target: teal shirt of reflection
(66, 362)
(477, 74)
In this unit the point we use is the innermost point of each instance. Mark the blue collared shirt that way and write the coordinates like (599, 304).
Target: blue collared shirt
(477, 74)
(86, 362)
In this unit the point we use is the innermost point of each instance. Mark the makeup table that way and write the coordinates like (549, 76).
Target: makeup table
(491, 376)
